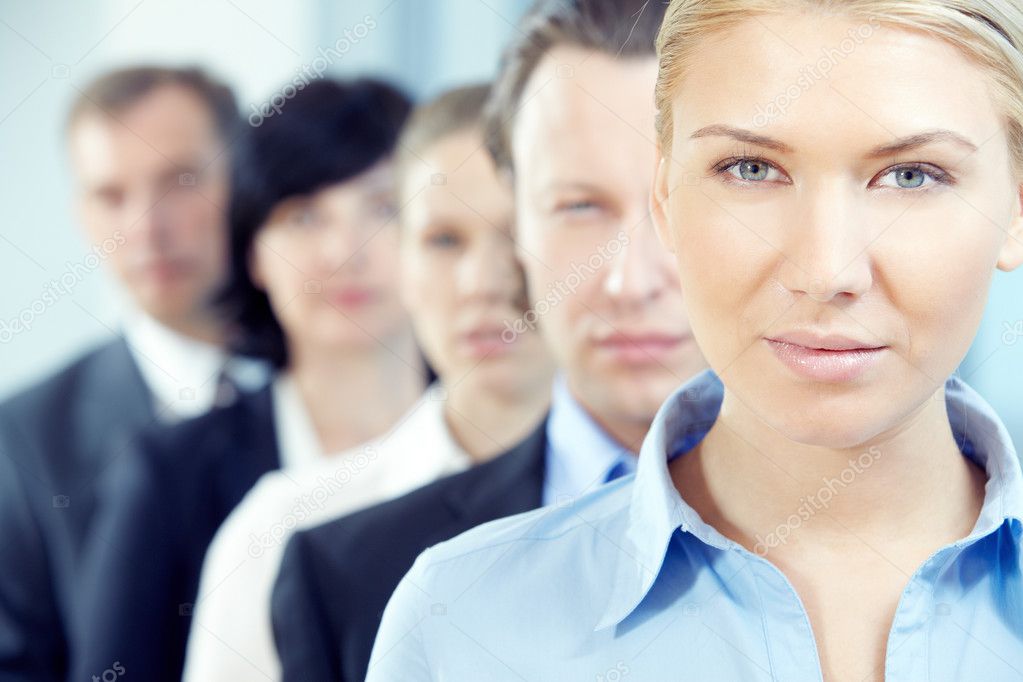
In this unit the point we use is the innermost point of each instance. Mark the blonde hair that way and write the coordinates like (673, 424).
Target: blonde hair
(989, 32)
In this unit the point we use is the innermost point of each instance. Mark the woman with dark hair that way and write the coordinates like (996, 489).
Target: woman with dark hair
(313, 278)
(312, 289)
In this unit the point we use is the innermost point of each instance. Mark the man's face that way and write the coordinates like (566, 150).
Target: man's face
(153, 189)
(583, 153)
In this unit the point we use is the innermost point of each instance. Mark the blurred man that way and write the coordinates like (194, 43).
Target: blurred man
(147, 147)
(571, 120)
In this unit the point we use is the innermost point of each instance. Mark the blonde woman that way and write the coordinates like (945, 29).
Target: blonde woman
(838, 182)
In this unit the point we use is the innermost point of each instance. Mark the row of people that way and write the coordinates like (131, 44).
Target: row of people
(825, 504)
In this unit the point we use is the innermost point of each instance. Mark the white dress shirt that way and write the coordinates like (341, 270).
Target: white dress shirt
(183, 373)
(232, 637)
(297, 444)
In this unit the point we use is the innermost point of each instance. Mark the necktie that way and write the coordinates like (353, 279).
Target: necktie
(617, 471)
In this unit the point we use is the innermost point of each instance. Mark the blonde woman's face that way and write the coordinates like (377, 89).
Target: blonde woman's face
(838, 196)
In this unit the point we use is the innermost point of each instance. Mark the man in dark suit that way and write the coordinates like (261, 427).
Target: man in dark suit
(337, 578)
(616, 325)
(147, 150)
(164, 501)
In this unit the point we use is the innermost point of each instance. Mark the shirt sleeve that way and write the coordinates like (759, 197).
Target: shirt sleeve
(129, 573)
(231, 636)
(399, 653)
(32, 645)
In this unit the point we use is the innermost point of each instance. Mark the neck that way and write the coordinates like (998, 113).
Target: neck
(486, 423)
(624, 429)
(201, 327)
(748, 481)
(353, 396)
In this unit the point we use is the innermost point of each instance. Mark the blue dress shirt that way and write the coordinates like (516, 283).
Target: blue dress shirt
(628, 583)
(581, 456)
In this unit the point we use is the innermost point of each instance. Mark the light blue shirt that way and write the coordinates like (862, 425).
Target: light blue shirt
(627, 583)
(581, 456)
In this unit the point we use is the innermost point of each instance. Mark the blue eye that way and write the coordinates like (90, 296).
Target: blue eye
(385, 210)
(444, 240)
(750, 170)
(579, 206)
(914, 176)
(303, 216)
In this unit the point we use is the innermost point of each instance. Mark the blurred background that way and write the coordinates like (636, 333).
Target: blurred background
(48, 50)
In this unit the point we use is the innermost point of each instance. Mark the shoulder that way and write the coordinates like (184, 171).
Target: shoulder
(600, 512)
(209, 436)
(64, 386)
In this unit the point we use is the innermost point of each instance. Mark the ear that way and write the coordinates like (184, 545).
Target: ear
(254, 266)
(659, 202)
(1011, 255)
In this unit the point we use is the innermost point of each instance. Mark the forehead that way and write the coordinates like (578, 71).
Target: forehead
(586, 110)
(817, 79)
(454, 178)
(171, 124)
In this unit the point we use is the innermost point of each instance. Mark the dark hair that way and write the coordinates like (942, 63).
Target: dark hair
(115, 91)
(329, 132)
(625, 28)
(450, 112)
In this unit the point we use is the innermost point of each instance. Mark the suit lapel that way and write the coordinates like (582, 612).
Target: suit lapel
(509, 484)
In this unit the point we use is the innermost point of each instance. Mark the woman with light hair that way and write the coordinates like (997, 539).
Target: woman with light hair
(838, 182)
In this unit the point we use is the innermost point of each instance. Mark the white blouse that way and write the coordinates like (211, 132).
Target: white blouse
(231, 636)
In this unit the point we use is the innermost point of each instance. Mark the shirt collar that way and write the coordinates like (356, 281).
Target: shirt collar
(423, 430)
(580, 454)
(297, 442)
(179, 371)
(657, 510)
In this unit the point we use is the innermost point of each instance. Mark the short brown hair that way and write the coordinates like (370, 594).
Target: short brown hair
(624, 28)
(115, 91)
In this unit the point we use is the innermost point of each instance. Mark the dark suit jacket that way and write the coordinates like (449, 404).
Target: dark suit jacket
(166, 502)
(336, 579)
(55, 439)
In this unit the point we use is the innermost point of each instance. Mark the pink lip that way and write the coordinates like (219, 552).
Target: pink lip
(484, 342)
(352, 297)
(165, 269)
(641, 348)
(829, 358)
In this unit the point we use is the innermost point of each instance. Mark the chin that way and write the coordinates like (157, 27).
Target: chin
(641, 397)
(826, 426)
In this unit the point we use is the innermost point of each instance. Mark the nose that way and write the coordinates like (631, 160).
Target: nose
(343, 246)
(641, 269)
(826, 250)
(488, 270)
(153, 223)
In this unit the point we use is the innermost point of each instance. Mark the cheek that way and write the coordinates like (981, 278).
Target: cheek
(938, 283)
(722, 267)
(101, 223)
(278, 270)
(382, 250)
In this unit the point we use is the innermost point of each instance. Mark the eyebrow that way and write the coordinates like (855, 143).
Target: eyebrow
(922, 140)
(889, 149)
(741, 135)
